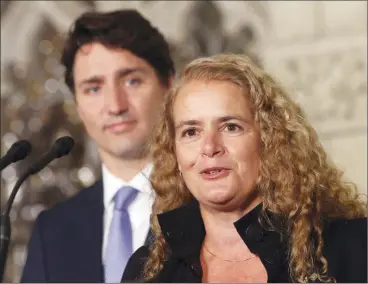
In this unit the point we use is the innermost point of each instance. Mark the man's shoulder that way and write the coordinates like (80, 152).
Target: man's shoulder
(68, 208)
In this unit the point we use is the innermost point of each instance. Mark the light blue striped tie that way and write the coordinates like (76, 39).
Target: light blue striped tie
(120, 243)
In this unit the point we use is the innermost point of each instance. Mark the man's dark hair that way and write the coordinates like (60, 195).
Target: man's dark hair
(125, 29)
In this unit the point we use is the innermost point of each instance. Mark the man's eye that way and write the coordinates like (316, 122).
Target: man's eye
(133, 82)
(92, 90)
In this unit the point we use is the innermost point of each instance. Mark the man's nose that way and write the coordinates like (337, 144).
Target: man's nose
(116, 101)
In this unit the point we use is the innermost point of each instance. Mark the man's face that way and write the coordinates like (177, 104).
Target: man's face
(118, 95)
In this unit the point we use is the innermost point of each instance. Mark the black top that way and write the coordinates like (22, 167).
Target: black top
(345, 247)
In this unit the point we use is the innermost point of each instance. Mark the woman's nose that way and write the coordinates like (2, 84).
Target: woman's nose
(212, 145)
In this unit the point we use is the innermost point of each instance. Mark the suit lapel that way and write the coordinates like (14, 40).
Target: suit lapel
(88, 233)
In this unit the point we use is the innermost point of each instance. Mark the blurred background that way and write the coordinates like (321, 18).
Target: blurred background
(317, 49)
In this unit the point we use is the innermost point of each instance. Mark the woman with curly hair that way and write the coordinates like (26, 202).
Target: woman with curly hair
(244, 190)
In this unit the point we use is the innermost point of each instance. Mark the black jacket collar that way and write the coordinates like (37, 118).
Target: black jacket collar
(184, 231)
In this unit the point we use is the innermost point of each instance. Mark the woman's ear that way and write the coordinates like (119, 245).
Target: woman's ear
(179, 168)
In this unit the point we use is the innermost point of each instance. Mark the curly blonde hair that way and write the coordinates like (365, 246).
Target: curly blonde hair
(305, 186)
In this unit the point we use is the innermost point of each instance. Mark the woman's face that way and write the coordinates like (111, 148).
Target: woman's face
(217, 143)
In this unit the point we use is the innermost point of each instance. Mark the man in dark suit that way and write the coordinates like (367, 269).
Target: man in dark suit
(119, 68)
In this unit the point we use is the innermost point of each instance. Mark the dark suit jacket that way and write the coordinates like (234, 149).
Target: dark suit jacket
(66, 242)
(345, 247)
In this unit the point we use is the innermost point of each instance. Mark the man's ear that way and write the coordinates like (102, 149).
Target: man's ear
(171, 81)
(79, 110)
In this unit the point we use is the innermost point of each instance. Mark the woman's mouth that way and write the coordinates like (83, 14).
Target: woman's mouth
(214, 173)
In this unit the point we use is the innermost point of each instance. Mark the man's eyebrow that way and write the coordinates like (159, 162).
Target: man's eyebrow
(126, 71)
(91, 80)
(96, 79)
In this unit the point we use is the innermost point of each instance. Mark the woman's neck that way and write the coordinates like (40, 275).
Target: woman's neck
(221, 235)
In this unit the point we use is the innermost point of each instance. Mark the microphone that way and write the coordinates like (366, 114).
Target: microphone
(18, 151)
(61, 147)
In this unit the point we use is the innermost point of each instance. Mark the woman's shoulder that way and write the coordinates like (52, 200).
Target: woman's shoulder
(343, 230)
(134, 269)
(345, 248)
(346, 226)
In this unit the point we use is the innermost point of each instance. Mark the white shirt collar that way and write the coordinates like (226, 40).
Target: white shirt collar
(112, 184)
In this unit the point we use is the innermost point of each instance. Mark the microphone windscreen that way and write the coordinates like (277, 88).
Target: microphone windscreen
(63, 146)
(20, 150)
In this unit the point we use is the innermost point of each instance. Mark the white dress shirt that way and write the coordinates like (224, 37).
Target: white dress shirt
(139, 210)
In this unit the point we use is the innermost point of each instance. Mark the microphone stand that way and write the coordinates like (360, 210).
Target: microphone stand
(5, 228)
(5, 232)
(60, 148)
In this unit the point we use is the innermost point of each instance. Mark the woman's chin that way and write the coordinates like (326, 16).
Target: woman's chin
(227, 200)
(218, 197)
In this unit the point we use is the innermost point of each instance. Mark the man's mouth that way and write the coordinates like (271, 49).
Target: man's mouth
(119, 126)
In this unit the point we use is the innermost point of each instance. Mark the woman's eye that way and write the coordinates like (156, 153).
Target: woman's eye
(189, 132)
(232, 127)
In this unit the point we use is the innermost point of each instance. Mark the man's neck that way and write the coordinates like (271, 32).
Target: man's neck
(124, 169)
